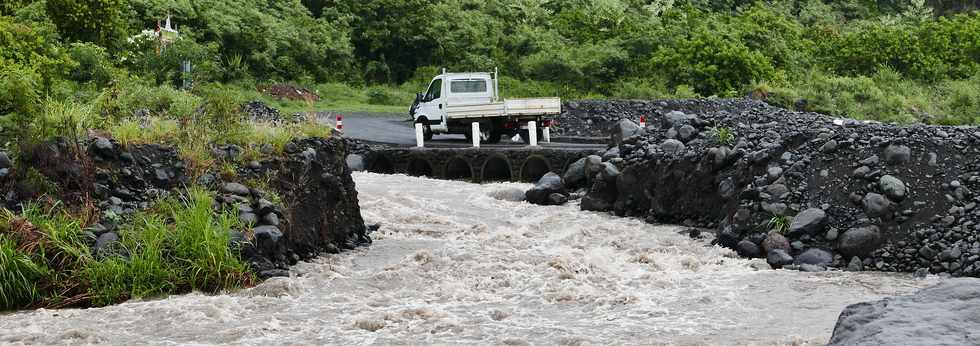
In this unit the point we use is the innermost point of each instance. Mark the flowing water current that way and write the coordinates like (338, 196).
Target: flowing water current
(460, 263)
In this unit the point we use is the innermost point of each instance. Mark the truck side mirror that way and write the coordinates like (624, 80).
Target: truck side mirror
(418, 97)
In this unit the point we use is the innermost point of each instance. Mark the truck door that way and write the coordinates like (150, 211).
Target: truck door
(433, 106)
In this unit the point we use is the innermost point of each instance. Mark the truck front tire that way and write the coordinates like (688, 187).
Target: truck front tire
(426, 129)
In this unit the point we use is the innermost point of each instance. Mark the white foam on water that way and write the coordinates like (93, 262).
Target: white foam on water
(457, 263)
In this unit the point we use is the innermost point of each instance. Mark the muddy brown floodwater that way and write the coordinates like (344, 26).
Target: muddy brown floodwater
(459, 263)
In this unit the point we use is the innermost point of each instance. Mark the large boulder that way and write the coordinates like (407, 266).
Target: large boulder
(621, 130)
(897, 154)
(945, 314)
(815, 256)
(672, 147)
(859, 242)
(775, 241)
(603, 192)
(747, 249)
(875, 205)
(574, 177)
(778, 258)
(892, 187)
(541, 193)
(810, 221)
(235, 189)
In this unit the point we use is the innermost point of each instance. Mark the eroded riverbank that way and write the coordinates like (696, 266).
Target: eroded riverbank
(452, 264)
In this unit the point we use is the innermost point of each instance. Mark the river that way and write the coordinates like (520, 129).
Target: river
(460, 263)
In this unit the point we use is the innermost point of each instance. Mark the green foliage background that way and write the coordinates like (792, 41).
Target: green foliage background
(809, 54)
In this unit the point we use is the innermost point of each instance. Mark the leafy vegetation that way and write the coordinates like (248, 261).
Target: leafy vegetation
(723, 135)
(778, 223)
(840, 57)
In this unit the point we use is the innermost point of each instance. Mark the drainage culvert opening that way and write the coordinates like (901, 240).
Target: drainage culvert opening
(534, 168)
(496, 169)
(419, 168)
(458, 168)
(381, 164)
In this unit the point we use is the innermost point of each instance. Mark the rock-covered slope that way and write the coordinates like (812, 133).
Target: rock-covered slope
(803, 189)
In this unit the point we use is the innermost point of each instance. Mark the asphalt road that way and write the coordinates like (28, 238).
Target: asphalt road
(397, 129)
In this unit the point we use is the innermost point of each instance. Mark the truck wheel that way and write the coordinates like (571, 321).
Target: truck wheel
(526, 135)
(426, 131)
(494, 137)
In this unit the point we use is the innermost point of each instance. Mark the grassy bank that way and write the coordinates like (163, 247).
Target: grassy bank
(177, 246)
(180, 244)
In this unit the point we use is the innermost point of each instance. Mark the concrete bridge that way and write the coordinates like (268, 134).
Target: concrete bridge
(475, 164)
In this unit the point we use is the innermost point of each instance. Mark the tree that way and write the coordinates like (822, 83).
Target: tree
(97, 21)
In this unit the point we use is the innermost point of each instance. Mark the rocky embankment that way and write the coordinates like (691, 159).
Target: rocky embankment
(802, 190)
(593, 118)
(314, 209)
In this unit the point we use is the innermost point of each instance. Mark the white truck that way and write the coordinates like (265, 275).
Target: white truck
(454, 101)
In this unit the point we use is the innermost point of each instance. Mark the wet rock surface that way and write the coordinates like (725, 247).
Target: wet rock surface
(896, 197)
(945, 314)
(548, 191)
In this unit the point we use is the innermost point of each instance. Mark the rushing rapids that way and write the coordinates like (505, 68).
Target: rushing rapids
(461, 263)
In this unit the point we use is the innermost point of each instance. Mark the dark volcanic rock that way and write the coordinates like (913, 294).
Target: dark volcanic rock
(235, 189)
(815, 256)
(575, 175)
(897, 154)
(859, 242)
(779, 258)
(549, 184)
(810, 221)
(875, 205)
(892, 187)
(748, 249)
(945, 314)
(621, 130)
(672, 147)
(775, 241)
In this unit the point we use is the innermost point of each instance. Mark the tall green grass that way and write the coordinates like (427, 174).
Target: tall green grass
(19, 276)
(885, 96)
(179, 245)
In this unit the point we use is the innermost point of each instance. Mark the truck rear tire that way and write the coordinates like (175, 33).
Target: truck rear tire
(526, 136)
(494, 137)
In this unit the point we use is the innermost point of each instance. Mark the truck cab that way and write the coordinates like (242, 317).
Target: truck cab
(453, 101)
(456, 89)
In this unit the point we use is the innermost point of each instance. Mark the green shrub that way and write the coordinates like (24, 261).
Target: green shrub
(379, 96)
(93, 64)
(712, 64)
(19, 94)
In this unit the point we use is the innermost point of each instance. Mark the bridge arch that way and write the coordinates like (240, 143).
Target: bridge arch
(457, 168)
(496, 168)
(380, 163)
(419, 167)
(534, 167)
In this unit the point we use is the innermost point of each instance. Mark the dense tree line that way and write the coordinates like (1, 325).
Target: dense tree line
(578, 48)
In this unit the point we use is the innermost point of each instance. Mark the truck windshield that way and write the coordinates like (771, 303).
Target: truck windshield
(468, 86)
(435, 90)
